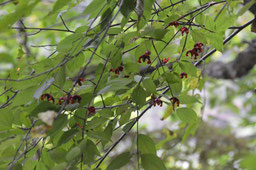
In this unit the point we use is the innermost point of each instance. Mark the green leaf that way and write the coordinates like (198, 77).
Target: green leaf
(146, 144)
(93, 8)
(191, 129)
(248, 162)
(58, 125)
(209, 23)
(198, 36)
(99, 135)
(171, 18)
(106, 16)
(6, 58)
(115, 85)
(187, 115)
(24, 96)
(154, 33)
(139, 96)
(66, 136)
(58, 155)
(106, 113)
(89, 150)
(67, 43)
(216, 40)
(127, 126)
(246, 7)
(200, 19)
(61, 77)
(73, 153)
(175, 82)
(58, 5)
(125, 117)
(23, 9)
(224, 21)
(186, 99)
(127, 8)
(95, 122)
(188, 68)
(60, 166)
(131, 67)
(108, 131)
(43, 107)
(152, 162)
(149, 85)
(119, 161)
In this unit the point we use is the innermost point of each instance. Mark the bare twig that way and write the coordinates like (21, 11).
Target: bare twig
(11, 164)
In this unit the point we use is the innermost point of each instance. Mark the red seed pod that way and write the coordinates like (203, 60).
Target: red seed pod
(158, 102)
(120, 68)
(164, 60)
(196, 50)
(145, 57)
(79, 81)
(184, 30)
(183, 74)
(48, 96)
(63, 99)
(175, 100)
(91, 110)
(175, 23)
(76, 98)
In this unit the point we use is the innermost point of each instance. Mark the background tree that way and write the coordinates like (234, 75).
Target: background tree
(78, 77)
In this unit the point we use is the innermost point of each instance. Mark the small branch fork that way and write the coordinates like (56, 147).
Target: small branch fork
(15, 158)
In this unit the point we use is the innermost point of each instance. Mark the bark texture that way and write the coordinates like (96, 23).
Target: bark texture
(241, 66)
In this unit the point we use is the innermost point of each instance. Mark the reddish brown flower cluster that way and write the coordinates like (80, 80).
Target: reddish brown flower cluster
(196, 50)
(164, 60)
(145, 57)
(156, 101)
(175, 23)
(117, 70)
(78, 125)
(71, 99)
(48, 96)
(184, 29)
(175, 100)
(79, 81)
(91, 110)
(183, 74)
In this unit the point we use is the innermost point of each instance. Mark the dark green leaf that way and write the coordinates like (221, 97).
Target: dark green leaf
(187, 115)
(66, 136)
(58, 125)
(58, 5)
(139, 96)
(119, 161)
(146, 144)
(149, 85)
(61, 77)
(152, 162)
(73, 153)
